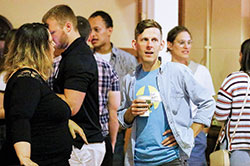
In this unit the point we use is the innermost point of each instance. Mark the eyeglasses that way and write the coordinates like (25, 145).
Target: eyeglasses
(182, 43)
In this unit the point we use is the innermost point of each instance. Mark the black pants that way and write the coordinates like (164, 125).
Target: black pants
(108, 158)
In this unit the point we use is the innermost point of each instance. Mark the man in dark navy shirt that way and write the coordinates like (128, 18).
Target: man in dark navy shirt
(76, 81)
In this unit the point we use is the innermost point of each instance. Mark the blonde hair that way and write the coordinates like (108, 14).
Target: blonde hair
(62, 14)
(30, 48)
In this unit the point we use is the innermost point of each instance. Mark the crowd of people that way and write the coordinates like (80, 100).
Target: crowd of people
(68, 95)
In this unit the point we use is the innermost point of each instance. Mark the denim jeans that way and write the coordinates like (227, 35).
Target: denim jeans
(176, 162)
(240, 158)
(198, 156)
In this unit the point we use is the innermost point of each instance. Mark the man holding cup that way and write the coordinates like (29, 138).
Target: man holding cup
(166, 135)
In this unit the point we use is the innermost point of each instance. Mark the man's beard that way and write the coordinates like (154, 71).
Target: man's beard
(64, 41)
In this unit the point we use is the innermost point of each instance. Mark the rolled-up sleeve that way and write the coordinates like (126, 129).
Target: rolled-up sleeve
(201, 97)
(125, 102)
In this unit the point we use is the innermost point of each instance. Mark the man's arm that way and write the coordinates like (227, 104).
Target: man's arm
(23, 153)
(114, 98)
(74, 99)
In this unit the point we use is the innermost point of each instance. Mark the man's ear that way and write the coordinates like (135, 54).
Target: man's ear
(110, 30)
(134, 44)
(162, 45)
(169, 45)
(68, 27)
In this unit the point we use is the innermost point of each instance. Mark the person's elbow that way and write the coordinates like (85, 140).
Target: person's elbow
(75, 108)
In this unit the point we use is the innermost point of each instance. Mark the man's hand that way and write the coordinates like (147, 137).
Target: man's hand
(197, 128)
(138, 107)
(27, 162)
(170, 140)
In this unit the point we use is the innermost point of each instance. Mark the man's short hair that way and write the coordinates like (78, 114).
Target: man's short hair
(145, 24)
(83, 27)
(62, 14)
(105, 16)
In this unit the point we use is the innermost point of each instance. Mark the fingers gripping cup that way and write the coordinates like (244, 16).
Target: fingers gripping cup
(148, 101)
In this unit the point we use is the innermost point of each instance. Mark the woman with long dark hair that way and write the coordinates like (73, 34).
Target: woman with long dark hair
(233, 106)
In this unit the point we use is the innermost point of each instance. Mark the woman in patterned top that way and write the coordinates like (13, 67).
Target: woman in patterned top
(230, 100)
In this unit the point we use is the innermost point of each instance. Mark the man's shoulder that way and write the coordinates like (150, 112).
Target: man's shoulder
(174, 70)
(102, 63)
(121, 53)
(128, 77)
(175, 66)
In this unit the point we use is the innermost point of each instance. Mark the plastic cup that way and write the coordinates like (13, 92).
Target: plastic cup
(148, 101)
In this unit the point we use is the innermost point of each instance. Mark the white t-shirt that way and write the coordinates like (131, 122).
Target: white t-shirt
(201, 75)
(165, 57)
(105, 57)
(2, 83)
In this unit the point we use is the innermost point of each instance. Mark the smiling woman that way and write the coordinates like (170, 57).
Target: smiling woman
(179, 42)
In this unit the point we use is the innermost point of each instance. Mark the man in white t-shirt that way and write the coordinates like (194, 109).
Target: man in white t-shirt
(122, 62)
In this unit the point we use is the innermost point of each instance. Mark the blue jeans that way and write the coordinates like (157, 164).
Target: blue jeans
(176, 162)
(240, 158)
(198, 156)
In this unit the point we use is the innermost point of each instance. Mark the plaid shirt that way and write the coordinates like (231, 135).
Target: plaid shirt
(107, 81)
(55, 66)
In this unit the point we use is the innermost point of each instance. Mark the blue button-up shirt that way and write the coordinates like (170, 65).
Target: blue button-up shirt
(177, 87)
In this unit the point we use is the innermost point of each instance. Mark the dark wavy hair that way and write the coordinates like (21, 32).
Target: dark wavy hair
(173, 33)
(245, 60)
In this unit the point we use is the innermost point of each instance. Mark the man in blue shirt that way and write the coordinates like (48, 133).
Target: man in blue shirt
(166, 136)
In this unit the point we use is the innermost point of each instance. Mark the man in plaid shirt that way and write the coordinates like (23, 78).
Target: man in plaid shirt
(109, 97)
(56, 63)
(109, 101)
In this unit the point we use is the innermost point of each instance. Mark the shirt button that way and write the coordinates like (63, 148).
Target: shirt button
(174, 112)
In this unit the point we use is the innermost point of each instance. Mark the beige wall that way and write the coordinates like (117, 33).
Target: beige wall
(229, 27)
(245, 14)
(123, 13)
(194, 20)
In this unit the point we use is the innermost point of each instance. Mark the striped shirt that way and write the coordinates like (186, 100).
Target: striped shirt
(107, 81)
(229, 103)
